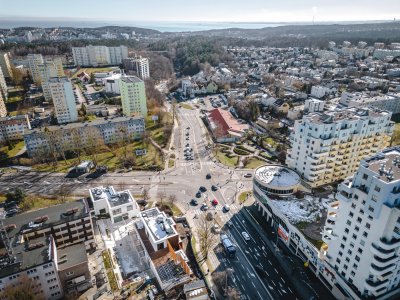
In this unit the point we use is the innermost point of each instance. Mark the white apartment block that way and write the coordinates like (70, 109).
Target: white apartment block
(119, 205)
(63, 99)
(34, 60)
(319, 91)
(314, 105)
(142, 67)
(13, 128)
(3, 110)
(83, 135)
(5, 64)
(133, 96)
(50, 69)
(389, 102)
(111, 84)
(328, 147)
(99, 55)
(3, 85)
(362, 232)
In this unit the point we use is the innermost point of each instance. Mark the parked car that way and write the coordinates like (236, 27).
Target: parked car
(194, 202)
(226, 208)
(229, 224)
(246, 236)
(216, 229)
(214, 188)
(248, 175)
(204, 207)
(198, 194)
(214, 202)
(208, 176)
(202, 189)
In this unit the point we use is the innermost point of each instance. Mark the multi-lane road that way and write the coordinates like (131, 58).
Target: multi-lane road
(184, 181)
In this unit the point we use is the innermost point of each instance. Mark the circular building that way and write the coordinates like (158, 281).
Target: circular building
(276, 179)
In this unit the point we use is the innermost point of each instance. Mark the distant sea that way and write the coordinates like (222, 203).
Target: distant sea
(7, 23)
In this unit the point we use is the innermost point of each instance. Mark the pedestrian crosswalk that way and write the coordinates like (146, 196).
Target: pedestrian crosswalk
(191, 163)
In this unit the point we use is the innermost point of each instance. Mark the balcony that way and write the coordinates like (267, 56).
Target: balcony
(373, 286)
(343, 196)
(388, 244)
(380, 252)
(384, 262)
(377, 271)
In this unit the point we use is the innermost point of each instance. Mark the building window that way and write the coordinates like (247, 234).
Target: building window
(355, 266)
(365, 176)
(348, 222)
(377, 188)
(357, 258)
(351, 214)
(365, 234)
(359, 220)
(360, 250)
(354, 236)
(340, 253)
(357, 228)
(338, 260)
(342, 246)
(367, 225)
(346, 230)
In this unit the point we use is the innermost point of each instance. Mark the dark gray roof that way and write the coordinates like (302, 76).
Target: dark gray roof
(54, 213)
(194, 285)
(131, 79)
(71, 256)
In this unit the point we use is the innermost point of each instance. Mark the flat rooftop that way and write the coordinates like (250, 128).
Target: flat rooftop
(158, 224)
(385, 164)
(113, 198)
(276, 175)
(26, 255)
(345, 114)
(131, 79)
(71, 256)
(57, 214)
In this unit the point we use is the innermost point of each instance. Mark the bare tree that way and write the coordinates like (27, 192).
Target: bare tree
(232, 293)
(172, 199)
(63, 192)
(206, 237)
(95, 143)
(161, 195)
(122, 185)
(25, 289)
(77, 143)
(145, 194)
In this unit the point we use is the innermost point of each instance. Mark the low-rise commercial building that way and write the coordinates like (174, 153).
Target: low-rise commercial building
(83, 135)
(119, 205)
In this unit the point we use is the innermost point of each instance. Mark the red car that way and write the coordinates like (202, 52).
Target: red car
(214, 202)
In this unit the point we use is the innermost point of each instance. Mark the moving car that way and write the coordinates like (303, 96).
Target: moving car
(246, 236)
(226, 207)
(204, 207)
(214, 188)
(214, 202)
(248, 175)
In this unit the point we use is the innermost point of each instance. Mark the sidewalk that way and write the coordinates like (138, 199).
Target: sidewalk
(291, 264)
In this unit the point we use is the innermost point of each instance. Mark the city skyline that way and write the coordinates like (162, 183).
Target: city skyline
(223, 11)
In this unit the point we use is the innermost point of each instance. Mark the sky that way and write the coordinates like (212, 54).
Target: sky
(204, 10)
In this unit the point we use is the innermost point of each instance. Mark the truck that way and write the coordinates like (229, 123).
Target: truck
(229, 247)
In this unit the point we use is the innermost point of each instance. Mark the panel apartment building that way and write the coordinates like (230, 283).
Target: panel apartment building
(133, 96)
(328, 147)
(13, 128)
(5, 64)
(362, 232)
(48, 246)
(83, 135)
(63, 99)
(93, 56)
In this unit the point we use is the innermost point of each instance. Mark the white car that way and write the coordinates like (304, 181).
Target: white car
(226, 207)
(246, 236)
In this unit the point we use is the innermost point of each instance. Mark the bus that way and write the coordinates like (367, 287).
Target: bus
(229, 247)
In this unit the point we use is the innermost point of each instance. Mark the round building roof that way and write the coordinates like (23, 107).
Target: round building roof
(278, 176)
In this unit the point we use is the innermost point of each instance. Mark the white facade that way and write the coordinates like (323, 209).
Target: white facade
(3, 110)
(186, 87)
(120, 205)
(99, 55)
(63, 100)
(327, 147)
(389, 102)
(73, 135)
(319, 91)
(111, 84)
(362, 231)
(314, 105)
(133, 96)
(5, 64)
(13, 128)
(142, 67)
(34, 60)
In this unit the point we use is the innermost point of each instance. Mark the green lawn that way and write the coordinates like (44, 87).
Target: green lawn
(270, 141)
(111, 159)
(14, 98)
(396, 135)
(243, 196)
(11, 153)
(225, 160)
(254, 163)
(171, 163)
(109, 269)
(90, 71)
